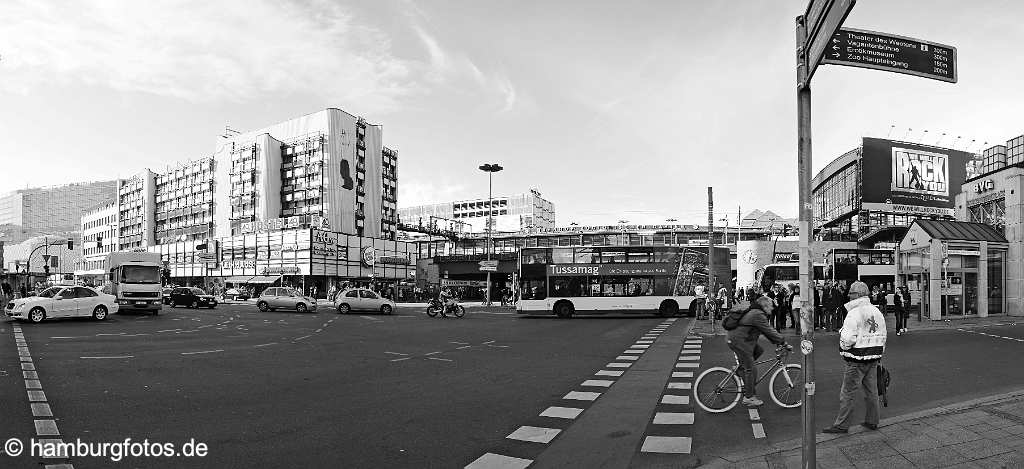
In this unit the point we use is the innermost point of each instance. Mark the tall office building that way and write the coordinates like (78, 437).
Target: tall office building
(42, 210)
(519, 212)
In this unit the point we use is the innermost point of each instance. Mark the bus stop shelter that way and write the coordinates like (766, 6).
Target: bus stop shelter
(954, 269)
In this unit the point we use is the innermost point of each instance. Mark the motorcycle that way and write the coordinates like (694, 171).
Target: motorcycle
(435, 307)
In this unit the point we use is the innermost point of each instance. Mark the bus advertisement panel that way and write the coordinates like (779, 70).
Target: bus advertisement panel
(604, 279)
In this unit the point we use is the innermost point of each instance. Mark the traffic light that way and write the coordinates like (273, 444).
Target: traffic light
(46, 269)
(71, 244)
(166, 275)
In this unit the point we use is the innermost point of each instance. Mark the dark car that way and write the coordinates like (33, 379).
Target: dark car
(191, 297)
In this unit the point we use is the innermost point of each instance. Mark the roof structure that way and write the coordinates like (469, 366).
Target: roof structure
(960, 231)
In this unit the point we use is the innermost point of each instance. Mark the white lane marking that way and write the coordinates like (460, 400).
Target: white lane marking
(41, 410)
(464, 346)
(754, 416)
(458, 343)
(264, 345)
(431, 353)
(562, 412)
(318, 330)
(135, 335)
(673, 418)
(169, 330)
(29, 375)
(534, 434)
(992, 335)
(46, 428)
(582, 396)
(400, 359)
(66, 337)
(633, 351)
(667, 444)
(301, 338)
(690, 352)
(28, 366)
(119, 333)
(439, 359)
(609, 373)
(758, 430)
(396, 353)
(645, 342)
(33, 384)
(618, 365)
(113, 356)
(687, 365)
(631, 358)
(679, 385)
(690, 358)
(498, 461)
(682, 374)
(640, 346)
(691, 346)
(201, 352)
(604, 383)
(675, 399)
(36, 396)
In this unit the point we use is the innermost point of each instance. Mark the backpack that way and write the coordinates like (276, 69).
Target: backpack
(883, 384)
(732, 320)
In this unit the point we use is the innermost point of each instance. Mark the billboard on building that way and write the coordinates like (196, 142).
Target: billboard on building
(905, 177)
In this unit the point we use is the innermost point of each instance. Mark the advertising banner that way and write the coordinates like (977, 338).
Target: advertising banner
(611, 269)
(910, 178)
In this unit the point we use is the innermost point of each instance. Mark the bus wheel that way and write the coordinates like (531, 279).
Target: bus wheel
(694, 309)
(668, 308)
(564, 309)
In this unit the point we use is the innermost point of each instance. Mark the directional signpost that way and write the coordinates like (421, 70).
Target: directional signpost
(488, 266)
(891, 53)
(820, 40)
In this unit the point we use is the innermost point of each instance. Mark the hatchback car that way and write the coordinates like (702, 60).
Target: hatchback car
(362, 299)
(284, 298)
(192, 297)
(63, 302)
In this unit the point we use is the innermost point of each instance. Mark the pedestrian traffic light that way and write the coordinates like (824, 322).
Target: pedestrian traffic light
(46, 269)
(71, 244)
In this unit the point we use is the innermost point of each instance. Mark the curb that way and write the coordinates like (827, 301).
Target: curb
(797, 443)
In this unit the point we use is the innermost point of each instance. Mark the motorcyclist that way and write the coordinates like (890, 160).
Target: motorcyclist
(447, 300)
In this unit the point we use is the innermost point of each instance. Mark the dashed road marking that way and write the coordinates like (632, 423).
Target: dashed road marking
(265, 345)
(46, 428)
(631, 358)
(202, 352)
(41, 409)
(598, 382)
(534, 434)
(497, 461)
(682, 374)
(618, 365)
(673, 418)
(115, 357)
(562, 412)
(687, 365)
(609, 373)
(758, 430)
(679, 385)
(667, 444)
(675, 399)
(582, 396)
(302, 338)
(439, 359)
(633, 351)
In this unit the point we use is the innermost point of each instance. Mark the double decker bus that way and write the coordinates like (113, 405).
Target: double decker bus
(785, 273)
(614, 279)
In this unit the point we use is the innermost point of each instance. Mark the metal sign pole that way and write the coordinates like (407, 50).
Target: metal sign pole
(803, 95)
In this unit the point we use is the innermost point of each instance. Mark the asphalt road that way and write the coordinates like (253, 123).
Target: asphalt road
(283, 389)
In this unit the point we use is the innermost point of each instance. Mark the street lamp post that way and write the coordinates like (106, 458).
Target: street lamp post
(490, 169)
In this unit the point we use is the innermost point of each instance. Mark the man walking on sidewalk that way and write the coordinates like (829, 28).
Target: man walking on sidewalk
(861, 344)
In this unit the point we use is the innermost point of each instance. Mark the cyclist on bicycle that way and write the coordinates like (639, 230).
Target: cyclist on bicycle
(743, 342)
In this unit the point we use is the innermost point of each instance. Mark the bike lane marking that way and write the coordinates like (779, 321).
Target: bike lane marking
(555, 420)
(38, 402)
(755, 423)
(670, 431)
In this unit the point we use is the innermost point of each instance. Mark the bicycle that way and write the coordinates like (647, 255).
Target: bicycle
(718, 389)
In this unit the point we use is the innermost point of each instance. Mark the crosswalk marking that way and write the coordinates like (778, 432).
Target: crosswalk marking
(582, 396)
(631, 358)
(562, 412)
(604, 383)
(673, 418)
(609, 373)
(675, 399)
(667, 444)
(497, 461)
(534, 434)
(682, 374)
(679, 385)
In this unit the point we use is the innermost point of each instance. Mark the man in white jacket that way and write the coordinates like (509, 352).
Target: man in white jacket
(861, 344)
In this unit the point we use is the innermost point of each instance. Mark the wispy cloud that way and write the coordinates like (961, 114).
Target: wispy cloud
(230, 50)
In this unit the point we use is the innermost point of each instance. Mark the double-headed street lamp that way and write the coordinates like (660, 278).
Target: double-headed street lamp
(490, 169)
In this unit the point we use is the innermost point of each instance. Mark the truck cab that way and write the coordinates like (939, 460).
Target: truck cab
(135, 281)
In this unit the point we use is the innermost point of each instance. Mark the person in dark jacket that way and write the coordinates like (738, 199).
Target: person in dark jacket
(743, 342)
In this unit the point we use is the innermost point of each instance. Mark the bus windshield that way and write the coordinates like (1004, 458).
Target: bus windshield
(140, 274)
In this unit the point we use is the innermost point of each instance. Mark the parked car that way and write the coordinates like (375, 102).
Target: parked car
(362, 299)
(284, 298)
(63, 302)
(192, 297)
(236, 294)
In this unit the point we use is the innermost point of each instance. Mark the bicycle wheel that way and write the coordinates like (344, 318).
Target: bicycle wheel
(717, 389)
(787, 386)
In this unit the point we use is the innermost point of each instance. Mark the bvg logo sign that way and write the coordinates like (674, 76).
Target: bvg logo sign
(920, 172)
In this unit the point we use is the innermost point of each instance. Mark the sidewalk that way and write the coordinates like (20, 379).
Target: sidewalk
(987, 432)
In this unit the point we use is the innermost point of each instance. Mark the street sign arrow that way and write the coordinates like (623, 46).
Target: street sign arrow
(891, 53)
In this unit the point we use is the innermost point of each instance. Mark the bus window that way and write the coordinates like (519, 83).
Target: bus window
(533, 290)
(536, 256)
(613, 256)
(561, 256)
(670, 255)
(639, 255)
(586, 256)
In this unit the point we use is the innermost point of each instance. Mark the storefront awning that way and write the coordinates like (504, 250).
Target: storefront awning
(243, 279)
(960, 231)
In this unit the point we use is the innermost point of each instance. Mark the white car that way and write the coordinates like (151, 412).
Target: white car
(63, 302)
(362, 299)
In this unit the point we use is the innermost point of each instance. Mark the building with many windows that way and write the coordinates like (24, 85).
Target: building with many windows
(49, 210)
(519, 212)
(99, 237)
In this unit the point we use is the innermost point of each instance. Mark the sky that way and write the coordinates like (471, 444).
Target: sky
(611, 110)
